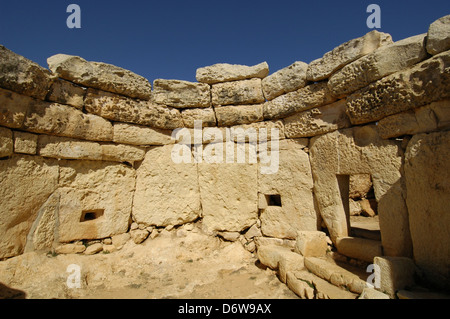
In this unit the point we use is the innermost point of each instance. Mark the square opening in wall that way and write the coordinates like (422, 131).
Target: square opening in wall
(273, 200)
(89, 215)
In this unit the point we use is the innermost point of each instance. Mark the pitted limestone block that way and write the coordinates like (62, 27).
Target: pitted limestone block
(100, 76)
(261, 131)
(6, 142)
(122, 109)
(14, 107)
(65, 92)
(167, 193)
(95, 199)
(26, 182)
(285, 80)
(382, 62)
(206, 115)
(306, 98)
(224, 72)
(181, 94)
(237, 93)
(317, 121)
(438, 39)
(23, 76)
(238, 115)
(425, 83)
(346, 53)
(25, 143)
(140, 135)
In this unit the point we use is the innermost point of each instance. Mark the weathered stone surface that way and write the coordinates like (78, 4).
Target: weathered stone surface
(311, 96)
(360, 185)
(120, 240)
(396, 273)
(238, 115)
(230, 235)
(293, 183)
(139, 235)
(285, 80)
(382, 62)
(14, 107)
(100, 76)
(359, 248)
(167, 193)
(140, 135)
(65, 92)
(427, 172)
(21, 75)
(206, 115)
(438, 39)
(425, 83)
(346, 53)
(181, 94)
(270, 255)
(317, 121)
(224, 72)
(421, 120)
(289, 262)
(228, 190)
(237, 93)
(93, 249)
(301, 288)
(6, 142)
(21, 201)
(122, 153)
(25, 143)
(360, 150)
(311, 243)
(70, 249)
(261, 131)
(123, 109)
(103, 190)
(370, 293)
(67, 148)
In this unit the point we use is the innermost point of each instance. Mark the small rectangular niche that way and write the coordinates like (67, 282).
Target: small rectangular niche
(274, 200)
(89, 215)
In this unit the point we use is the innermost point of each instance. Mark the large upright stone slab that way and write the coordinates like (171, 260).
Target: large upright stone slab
(346, 53)
(382, 62)
(181, 94)
(26, 182)
(438, 39)
(427, 174)
(95, 199)
(285, 80)
(23, 76)
(167, 193)
(237, 93)
(427, 82)
(337, 155)
(224, 72)
(100, 76)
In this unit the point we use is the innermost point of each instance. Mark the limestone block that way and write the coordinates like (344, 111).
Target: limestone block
(122, 109)
(26, 182)
(23, 76)
(228, 189)
(401, 92)
(67, 148)
(139, 235)
(25, 143)
(317, 121)
(181, 94)
(230, 235)
(360, 150)
(6, 142)
(427, 172)
(70, 249)
(396, 273)
(421, 120)
(438, 39)
(119, 240)
(206, 115)
(293, 184)
(261, 131)
(238, 115)
(94, 249)
(311, 243)
(306, 98)
(65, 92)
(237, 93)
(359, 248)
(382, 62)
(141, 135)
(370, 293)
(285, 80)
(100, 76)
(122, 153)
(301, 288)
(167, 193)
(288, 262)
(270, 255)
(14, 107)
(224, 72)
(95, 199)
(360, 185)
(346, 53)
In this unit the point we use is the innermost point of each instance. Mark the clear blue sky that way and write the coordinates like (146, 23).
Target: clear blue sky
(171, 39)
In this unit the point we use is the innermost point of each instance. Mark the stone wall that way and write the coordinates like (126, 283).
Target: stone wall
(86, 148)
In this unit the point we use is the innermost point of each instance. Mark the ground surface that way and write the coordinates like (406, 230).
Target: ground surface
(194, 266)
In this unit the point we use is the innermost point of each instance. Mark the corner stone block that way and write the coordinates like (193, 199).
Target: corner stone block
(438, 39)
(285, 80)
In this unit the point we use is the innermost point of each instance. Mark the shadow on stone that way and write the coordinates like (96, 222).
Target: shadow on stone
(10, 293)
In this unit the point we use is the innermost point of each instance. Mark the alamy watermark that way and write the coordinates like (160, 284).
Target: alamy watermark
(74, 19)
(74, 279)
(374, 20)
